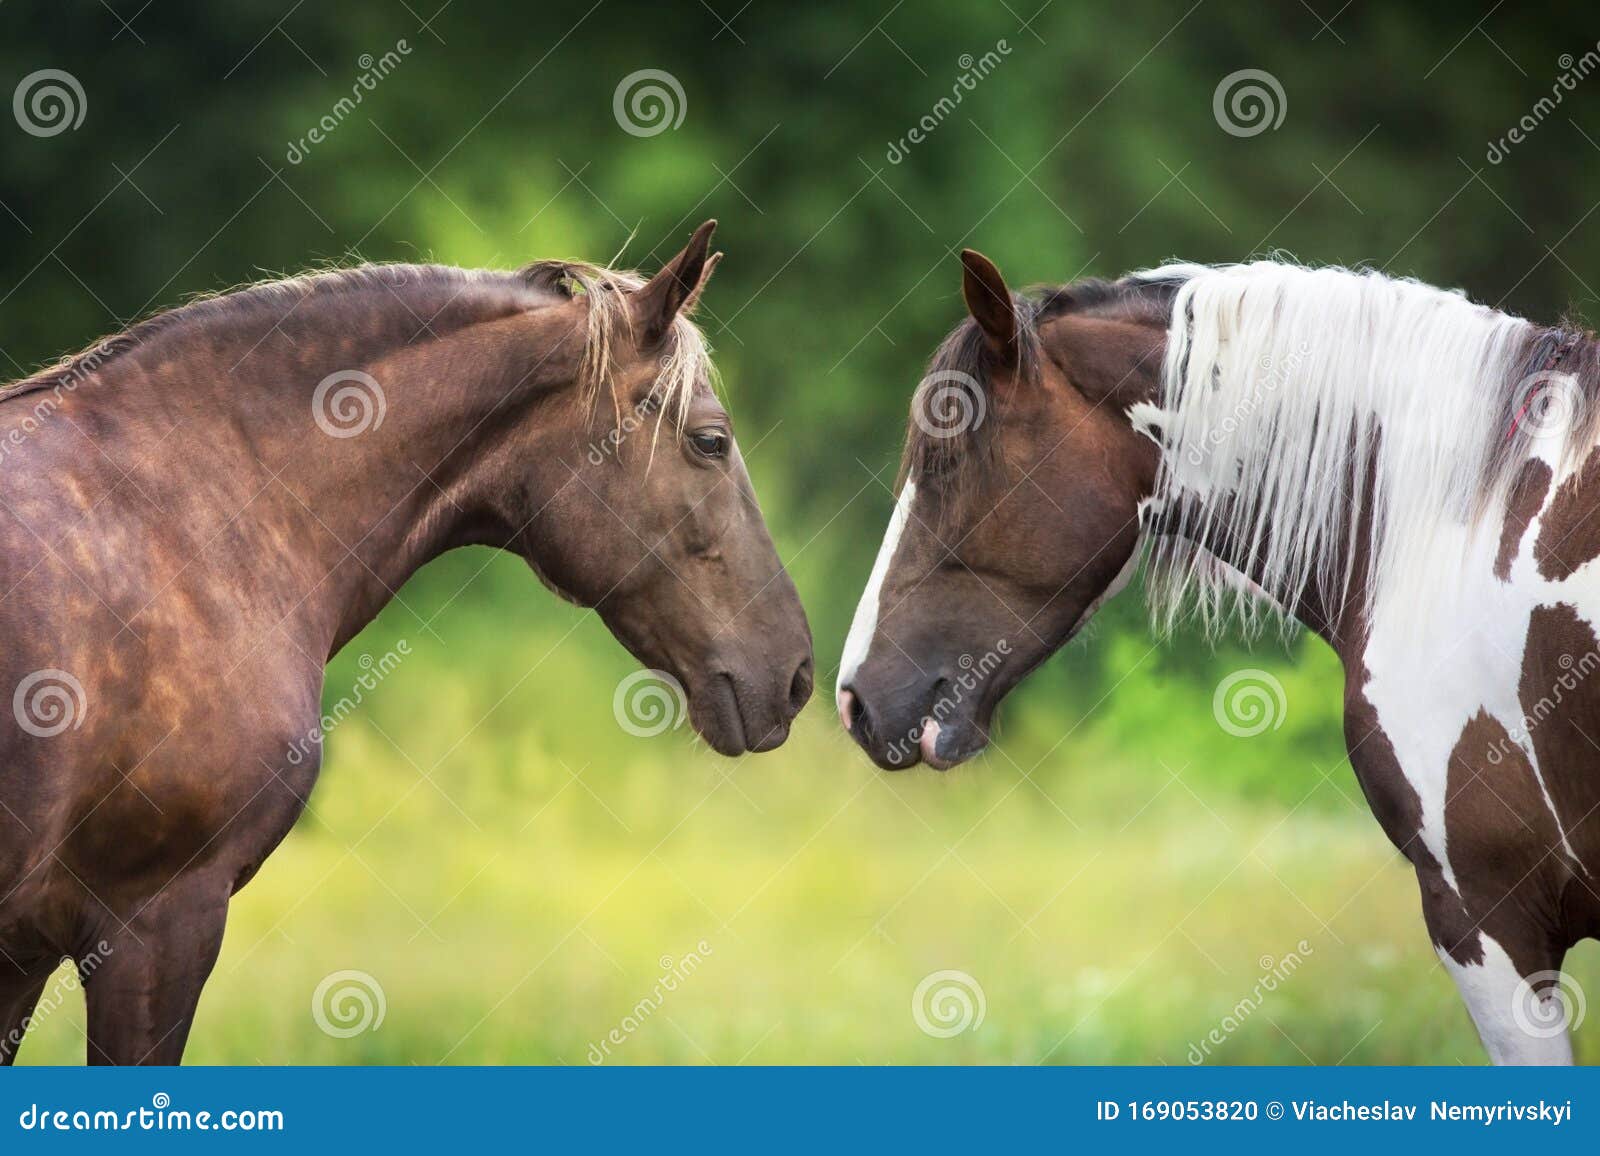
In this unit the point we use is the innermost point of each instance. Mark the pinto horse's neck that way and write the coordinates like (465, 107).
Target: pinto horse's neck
(1347, 441)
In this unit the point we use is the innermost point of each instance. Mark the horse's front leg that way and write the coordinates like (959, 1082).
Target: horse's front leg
(1492, 867)
(1520, 1022)
(19, 994)
(1506, 969)
(143, 992)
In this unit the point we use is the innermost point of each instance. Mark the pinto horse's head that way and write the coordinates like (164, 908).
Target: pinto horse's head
(647, 513)
(1018, 511)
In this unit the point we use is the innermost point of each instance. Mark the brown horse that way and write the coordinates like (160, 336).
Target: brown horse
(198, 513)
(1410, 475)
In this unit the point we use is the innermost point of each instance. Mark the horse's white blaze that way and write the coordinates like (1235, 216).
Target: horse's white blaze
(865, 623)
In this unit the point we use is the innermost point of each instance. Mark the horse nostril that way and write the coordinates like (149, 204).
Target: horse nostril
(853, 714)
(800, 686)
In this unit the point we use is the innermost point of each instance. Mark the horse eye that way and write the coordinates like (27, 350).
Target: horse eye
(709, 443)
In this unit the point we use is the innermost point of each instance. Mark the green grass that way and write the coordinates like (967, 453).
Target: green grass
(513, 878)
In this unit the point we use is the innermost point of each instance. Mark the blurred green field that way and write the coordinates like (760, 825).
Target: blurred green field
(516, 879)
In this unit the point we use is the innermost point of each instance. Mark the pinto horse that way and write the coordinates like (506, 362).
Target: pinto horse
(1407, 474)
(200, 511)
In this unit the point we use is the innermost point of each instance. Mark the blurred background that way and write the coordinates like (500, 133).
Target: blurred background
(493, 870)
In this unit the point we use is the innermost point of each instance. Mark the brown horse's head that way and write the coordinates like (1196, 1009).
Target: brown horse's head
(646, 512)
(1018, 511)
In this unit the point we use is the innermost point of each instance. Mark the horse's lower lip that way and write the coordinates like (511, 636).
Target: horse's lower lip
(775, 737)
(928, 744)
(720, 722)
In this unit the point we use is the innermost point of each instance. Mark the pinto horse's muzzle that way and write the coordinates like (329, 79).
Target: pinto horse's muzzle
(929, 721)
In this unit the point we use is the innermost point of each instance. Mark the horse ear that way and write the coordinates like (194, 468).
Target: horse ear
(990, 303)
(658, 303)
(711, 267)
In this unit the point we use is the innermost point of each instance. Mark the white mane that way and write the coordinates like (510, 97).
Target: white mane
(1284, 390)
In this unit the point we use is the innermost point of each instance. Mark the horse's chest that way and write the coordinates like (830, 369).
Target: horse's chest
(1487, 692)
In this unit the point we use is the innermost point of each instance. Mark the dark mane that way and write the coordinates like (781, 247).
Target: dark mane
(958, 460)
(73, 370)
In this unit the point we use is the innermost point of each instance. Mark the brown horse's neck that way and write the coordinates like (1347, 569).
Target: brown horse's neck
(393, 503)
(336, 440)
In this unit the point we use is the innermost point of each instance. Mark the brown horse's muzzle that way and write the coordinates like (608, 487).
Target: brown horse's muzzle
(740, 707)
